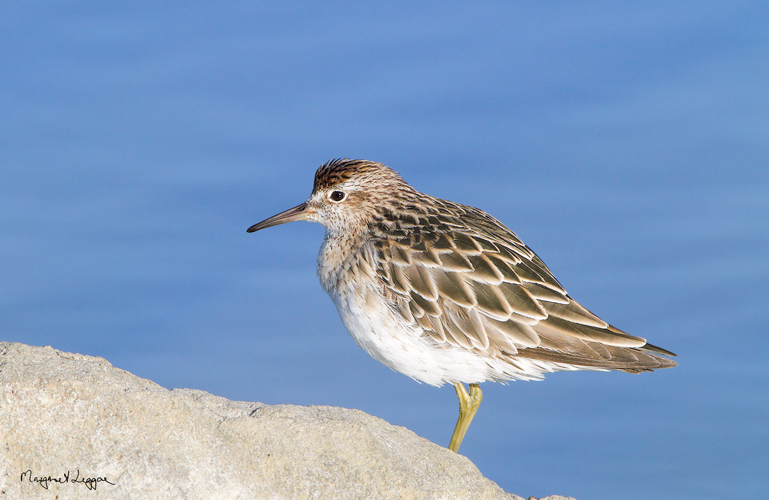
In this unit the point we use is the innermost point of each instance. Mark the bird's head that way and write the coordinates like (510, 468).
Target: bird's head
(346, 196)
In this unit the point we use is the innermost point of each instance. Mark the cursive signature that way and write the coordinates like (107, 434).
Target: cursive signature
(90, 482)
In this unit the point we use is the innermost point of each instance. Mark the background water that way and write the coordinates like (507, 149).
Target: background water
(627, 144)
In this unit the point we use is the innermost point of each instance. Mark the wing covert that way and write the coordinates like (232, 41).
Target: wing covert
(468, 281)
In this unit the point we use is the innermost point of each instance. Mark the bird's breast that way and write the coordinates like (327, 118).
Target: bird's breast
(344, 262)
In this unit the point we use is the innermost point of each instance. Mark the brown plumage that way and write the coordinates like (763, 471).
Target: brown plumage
(444, 292)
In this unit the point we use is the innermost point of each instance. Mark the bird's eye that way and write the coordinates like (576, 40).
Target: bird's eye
(337, 196)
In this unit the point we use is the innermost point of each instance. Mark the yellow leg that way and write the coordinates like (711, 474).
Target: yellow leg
(468, 405)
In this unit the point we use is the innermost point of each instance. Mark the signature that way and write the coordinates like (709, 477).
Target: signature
(90, 482)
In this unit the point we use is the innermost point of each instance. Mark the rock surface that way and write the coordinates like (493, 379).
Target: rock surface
(73, 426)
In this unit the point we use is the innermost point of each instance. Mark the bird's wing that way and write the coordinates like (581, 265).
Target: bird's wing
(470, 282)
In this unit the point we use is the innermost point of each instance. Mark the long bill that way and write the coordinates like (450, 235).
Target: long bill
(299, 212)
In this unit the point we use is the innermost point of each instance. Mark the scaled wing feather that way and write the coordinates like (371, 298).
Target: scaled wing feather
(473, 284)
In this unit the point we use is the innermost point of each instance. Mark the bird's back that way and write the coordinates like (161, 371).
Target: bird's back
(470, 283)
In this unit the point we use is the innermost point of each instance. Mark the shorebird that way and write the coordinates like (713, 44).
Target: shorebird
(445, 293)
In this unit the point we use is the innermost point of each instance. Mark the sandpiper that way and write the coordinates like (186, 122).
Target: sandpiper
(445, 293)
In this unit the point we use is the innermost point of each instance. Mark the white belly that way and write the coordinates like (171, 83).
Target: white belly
(401, 346)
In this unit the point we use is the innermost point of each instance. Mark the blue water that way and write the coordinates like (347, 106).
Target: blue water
(627, 144)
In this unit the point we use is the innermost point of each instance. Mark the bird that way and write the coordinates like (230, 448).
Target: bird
(445, 293)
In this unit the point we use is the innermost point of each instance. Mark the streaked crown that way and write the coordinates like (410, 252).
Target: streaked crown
(366, 174)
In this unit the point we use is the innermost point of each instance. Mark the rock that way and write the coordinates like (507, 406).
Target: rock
(71, 424)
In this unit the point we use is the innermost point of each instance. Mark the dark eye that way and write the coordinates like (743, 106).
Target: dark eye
(337, 196)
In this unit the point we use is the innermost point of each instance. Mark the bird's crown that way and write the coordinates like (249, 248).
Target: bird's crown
(367, 173)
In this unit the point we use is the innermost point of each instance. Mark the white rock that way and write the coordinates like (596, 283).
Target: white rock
(73, 418)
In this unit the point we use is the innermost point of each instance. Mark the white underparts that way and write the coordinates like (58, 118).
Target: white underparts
(403, 347)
